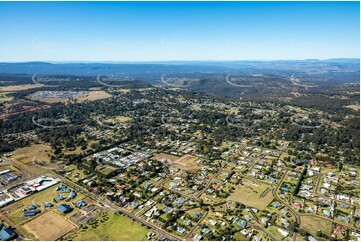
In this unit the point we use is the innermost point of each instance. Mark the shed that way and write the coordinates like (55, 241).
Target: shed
(65, 208)
(6, 234)
(31, 213)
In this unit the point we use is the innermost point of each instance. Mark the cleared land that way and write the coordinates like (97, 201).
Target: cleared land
(26, 154)
(49, 226)
(121, 119)
(186, 162)
(313, 224)
(355, 107)
(18, 88)
(115, 227)
(162, 156)
(250, 195)
(94, 95)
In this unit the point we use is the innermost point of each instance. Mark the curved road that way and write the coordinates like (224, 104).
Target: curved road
(236, 85)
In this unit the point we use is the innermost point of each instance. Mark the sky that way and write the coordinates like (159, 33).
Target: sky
(161, 31)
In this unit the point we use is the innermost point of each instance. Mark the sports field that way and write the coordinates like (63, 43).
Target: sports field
(49, 226)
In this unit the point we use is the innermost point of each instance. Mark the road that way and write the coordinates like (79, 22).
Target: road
(257, 227)
(109, 204)
(207, 185)
(274, 192)
(236, 85)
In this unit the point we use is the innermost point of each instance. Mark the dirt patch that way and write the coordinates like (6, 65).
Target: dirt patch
(186, 162)
(162, 157)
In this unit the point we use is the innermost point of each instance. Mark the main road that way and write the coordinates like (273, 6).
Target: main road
(105, 202)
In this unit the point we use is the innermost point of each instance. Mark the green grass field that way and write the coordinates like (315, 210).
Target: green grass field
(116, 227)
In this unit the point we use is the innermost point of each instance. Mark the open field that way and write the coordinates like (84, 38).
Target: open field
(355, 107)
(119, 119)
(4, 97)
(18, 88)
(49, 226)
(115, 227)
(186, 162)
(36, 157)
(249, 194)
(161, 156)
(106, 170)
(94, 95)
(313, 224)
(26, 154)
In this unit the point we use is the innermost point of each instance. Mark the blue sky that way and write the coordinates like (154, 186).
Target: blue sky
(158, 31)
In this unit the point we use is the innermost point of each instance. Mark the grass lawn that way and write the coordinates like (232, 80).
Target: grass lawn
(273, 231)
(239, 237)
(106, 170)
(313, 224)
(116, 227)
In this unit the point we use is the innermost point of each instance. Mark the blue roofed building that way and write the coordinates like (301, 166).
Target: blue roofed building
(31, 207)
(62, 186)
(48, 205)
(6, 234)
(286, 189)
(59, 197)
(72, 195)
(327, 213)
(81, 203)
(31, 213)
(147, 186)
(65, 208)
(65, 190)
(248, 218)
(242, 223)
(343, 219)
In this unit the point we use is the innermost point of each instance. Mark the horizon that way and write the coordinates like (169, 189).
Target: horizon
(167, 61)
(178, 31)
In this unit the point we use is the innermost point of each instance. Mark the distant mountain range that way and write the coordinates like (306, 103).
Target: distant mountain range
(146, 68)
